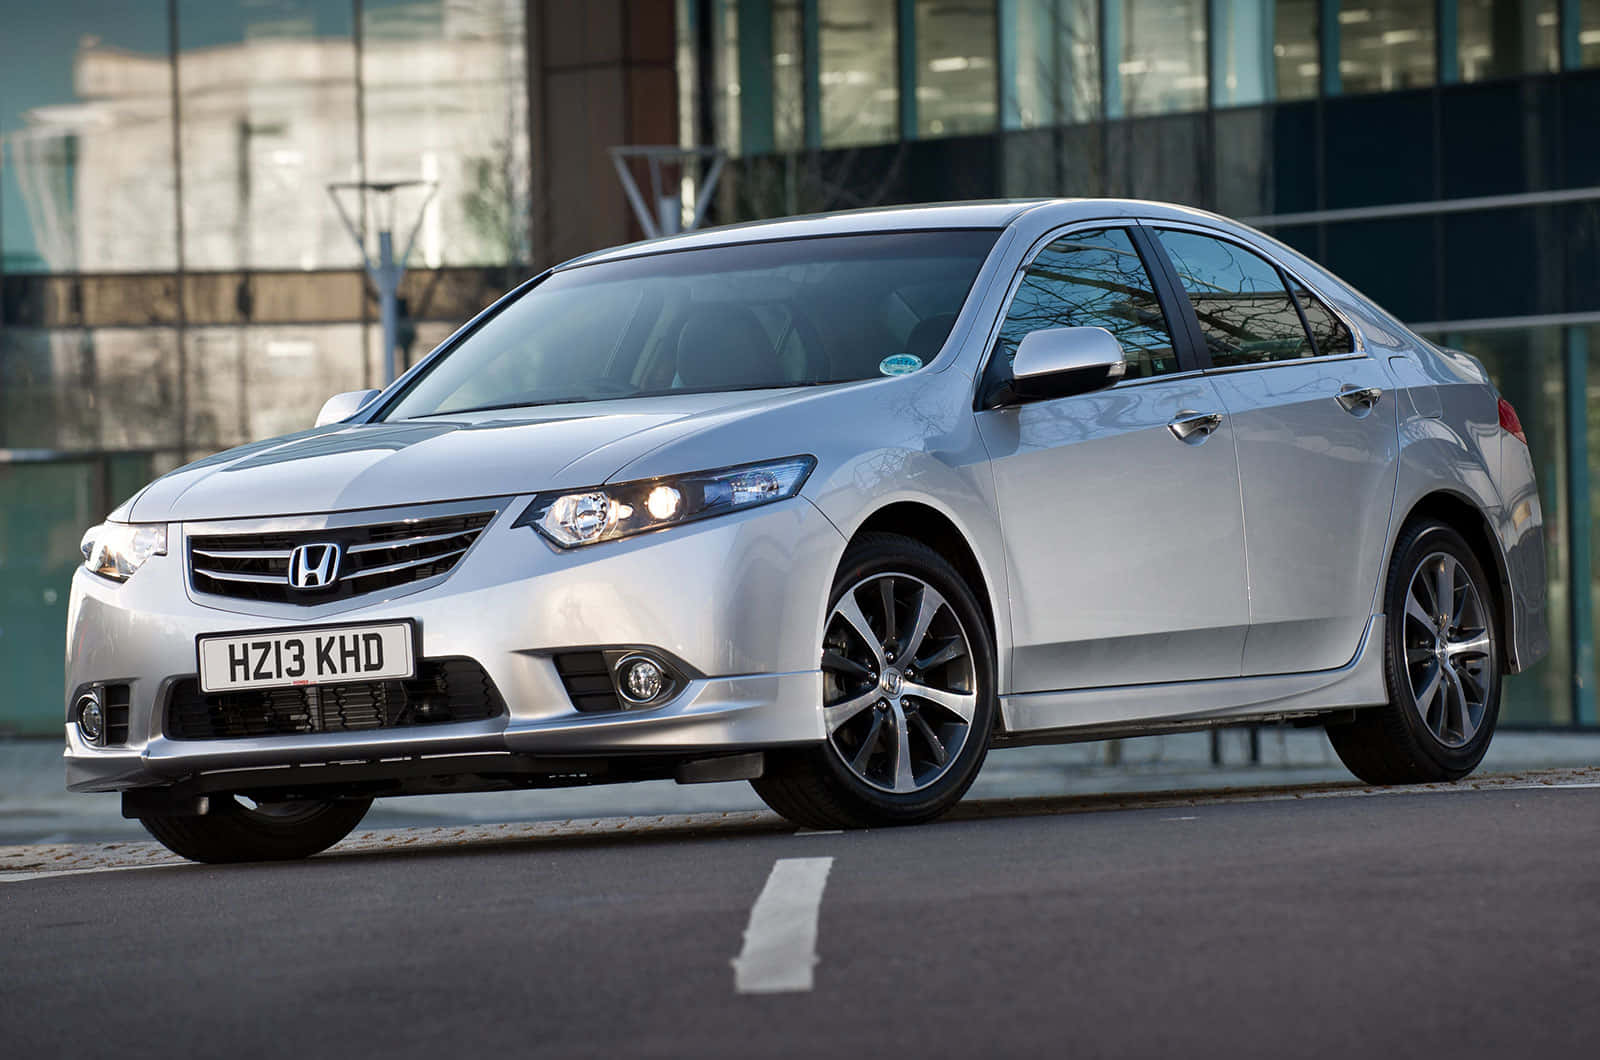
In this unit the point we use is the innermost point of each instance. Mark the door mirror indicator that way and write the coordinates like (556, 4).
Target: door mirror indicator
(343, 406)
(1060, 362)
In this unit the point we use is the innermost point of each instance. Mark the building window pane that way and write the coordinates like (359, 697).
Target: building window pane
(446, 101)
(1386, 44)
(86, 171)
(1057, 44)
(788, 75)
(1504, 38)
(955, 68)
(1264, 50)
(268, 116)
(1163, 60)
(858, 71)
(1589, 33)
(725, 70)
(88, 388)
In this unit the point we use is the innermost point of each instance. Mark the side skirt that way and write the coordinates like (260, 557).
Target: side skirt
(1141, 710)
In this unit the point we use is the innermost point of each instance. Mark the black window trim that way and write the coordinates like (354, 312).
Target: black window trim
(1156, 268)
(1200, 353)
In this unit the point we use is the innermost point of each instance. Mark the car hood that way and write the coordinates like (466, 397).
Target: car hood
(486, 454)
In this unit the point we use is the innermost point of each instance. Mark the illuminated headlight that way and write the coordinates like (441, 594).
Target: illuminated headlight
(116, 550)
(605, 513)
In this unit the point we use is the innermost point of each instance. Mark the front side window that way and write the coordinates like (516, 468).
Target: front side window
(1244, 309)
(1092, 279)
(754, 316)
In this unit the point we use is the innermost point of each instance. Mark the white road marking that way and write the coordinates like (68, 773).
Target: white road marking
(821, 831)
(1180, 818)
(18, 877)
(780, 945)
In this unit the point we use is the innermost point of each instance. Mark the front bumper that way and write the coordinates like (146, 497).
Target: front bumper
(740, 599)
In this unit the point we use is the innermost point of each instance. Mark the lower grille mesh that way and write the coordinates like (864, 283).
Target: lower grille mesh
(444, 690)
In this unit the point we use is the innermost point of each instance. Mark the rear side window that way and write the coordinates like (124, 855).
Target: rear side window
(1239, 297)
(1092, 279)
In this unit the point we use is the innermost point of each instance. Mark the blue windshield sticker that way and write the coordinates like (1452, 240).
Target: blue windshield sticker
(899, 364)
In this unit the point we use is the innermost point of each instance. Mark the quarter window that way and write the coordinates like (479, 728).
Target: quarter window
(1245, 312)
(1092, 279)
(1331, 334)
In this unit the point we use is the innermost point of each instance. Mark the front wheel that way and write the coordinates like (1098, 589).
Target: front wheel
(908, 695)
(264, 831)
(1442, 664)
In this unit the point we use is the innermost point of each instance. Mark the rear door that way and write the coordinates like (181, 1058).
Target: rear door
(1124, 536)
(1314, 423)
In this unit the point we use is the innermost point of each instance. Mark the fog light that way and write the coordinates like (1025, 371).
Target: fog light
(642, 679)
(91, 717)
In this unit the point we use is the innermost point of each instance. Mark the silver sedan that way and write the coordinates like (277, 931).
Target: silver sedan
(832, 504)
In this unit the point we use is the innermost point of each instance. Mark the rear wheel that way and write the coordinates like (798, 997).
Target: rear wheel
(262, 831)
(1442, 664)
(908, 695)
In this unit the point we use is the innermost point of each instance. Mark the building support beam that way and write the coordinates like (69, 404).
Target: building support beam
(1580, 592)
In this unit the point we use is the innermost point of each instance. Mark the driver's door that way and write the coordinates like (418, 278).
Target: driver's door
(1120, 509)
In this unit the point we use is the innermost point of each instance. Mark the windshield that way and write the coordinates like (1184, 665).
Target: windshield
(795, 313)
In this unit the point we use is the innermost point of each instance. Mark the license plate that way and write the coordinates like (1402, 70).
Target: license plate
(326, 655)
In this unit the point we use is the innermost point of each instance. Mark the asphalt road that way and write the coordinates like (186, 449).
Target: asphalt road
(1459, 923)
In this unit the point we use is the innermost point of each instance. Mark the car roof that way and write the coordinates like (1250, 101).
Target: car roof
(999, 213)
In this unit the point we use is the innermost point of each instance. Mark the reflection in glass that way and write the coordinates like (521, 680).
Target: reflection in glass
(1057, 44)
(858, 72)
(87, 181)
(445, 96)
(267, 98)
(725, 62)
(788, 76)
(1244, 309)
(1525, 364)
(1331, 335)
(1163, 59)
(1386, 45)
(1589, 33)
(1264, 50)
(1503, 38)
(77, 388)
(955, 68)
(259, 382)
(1092, 280)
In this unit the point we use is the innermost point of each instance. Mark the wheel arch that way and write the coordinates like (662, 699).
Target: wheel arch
(1464, 516)
(927, 524)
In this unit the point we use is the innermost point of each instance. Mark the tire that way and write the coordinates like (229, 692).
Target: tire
(1443, 683)
(889, 722)
(284, 831)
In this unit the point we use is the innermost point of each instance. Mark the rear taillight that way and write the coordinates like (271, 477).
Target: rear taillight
(1509, 422)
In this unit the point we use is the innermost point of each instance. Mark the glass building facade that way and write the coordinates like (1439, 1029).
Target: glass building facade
(174, 278)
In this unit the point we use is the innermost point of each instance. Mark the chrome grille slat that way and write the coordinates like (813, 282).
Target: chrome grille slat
(391, 568)
(253, 579)
(402, 542)
(258, 553)
(380, 555)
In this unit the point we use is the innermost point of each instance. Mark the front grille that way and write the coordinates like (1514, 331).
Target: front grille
(444, 690)
(373, 557)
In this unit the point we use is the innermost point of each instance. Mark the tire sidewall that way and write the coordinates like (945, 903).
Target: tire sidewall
(881, 557)
(1431, 538)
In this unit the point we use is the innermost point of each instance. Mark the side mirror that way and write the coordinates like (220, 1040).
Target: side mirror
(343, 406)
(1060, 362)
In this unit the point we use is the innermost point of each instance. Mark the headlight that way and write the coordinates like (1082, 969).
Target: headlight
(116, 550)
(605, 513)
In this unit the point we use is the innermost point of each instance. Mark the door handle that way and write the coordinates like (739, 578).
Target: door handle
(1358, 400)
(1194, 427)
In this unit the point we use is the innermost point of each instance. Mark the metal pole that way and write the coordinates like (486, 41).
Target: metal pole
(387, 279)
(1580, 571)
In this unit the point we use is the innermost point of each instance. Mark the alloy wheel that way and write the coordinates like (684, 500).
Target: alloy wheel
(899, 687)
(1449, 649)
